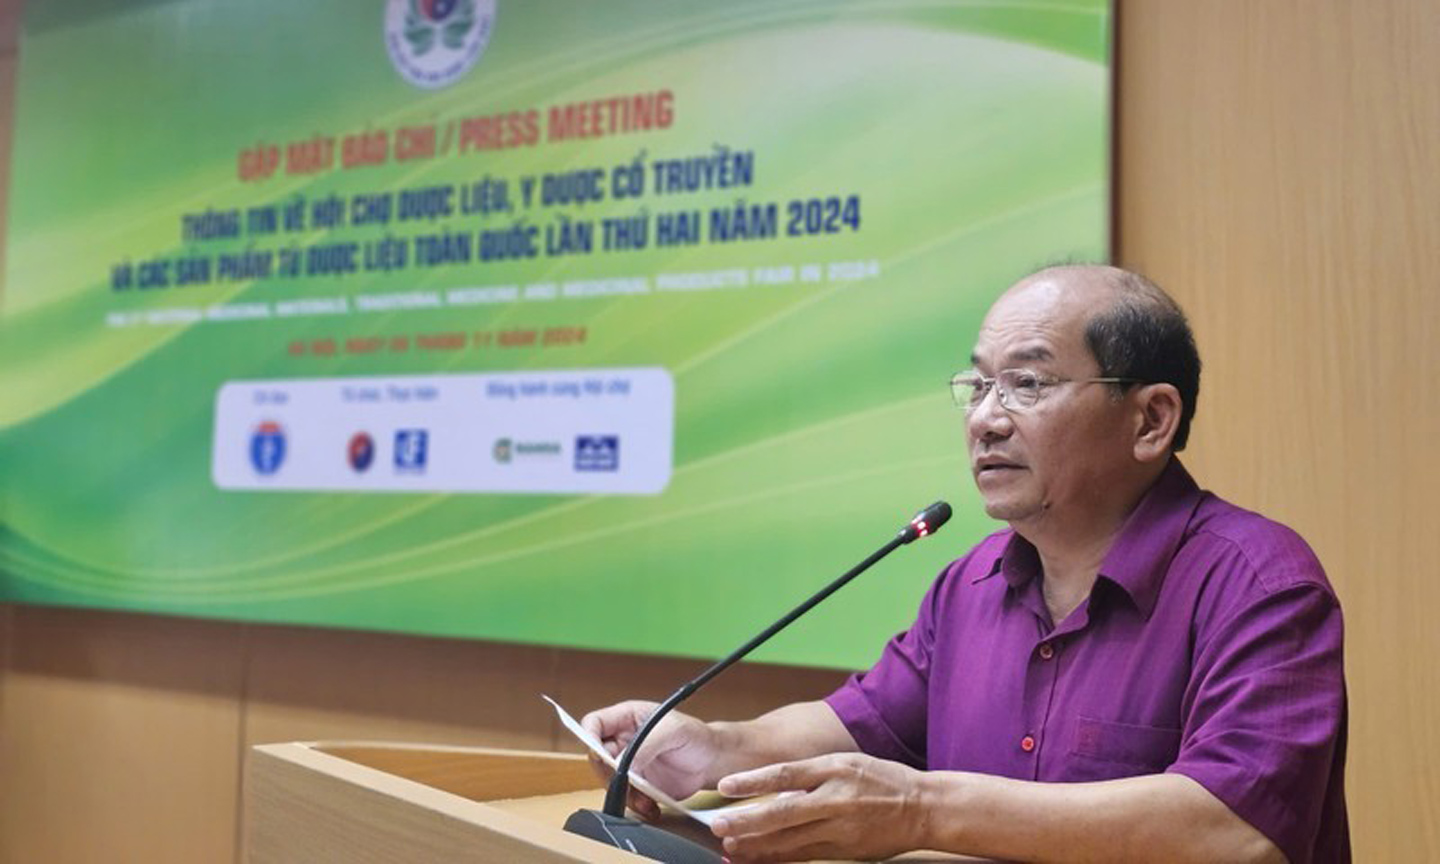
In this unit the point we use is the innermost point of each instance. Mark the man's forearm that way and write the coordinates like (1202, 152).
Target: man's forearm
(1161, 817)
(789, 733)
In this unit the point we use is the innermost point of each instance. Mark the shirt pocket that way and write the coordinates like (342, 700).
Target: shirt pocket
(1129, 748)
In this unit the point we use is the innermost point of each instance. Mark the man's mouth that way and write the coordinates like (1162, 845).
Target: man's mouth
(995, 466)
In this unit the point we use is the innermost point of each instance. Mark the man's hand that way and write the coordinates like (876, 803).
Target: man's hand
(675, 757)
(684, 755)
(844, 805)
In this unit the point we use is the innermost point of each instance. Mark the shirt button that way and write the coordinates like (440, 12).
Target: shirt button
(1027, 743)
(1047, 651)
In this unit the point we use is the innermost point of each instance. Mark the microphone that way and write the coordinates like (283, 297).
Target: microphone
(610, 826)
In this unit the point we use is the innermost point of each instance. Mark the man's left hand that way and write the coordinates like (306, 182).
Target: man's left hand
(845, 805)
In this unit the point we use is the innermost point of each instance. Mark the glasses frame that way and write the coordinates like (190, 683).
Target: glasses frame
(1004, 395)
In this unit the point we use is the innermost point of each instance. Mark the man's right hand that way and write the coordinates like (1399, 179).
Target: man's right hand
(679, 755)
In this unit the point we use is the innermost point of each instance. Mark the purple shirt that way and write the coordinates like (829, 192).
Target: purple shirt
(1210, 646)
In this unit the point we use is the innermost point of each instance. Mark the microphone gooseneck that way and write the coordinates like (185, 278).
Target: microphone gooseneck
(925, 523)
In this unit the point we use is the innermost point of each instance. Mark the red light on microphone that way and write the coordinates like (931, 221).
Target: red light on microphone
(925, 523)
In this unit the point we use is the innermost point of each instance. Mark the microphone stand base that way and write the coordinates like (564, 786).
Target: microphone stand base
(647, 841)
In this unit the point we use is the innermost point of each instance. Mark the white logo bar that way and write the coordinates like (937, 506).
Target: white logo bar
(605, 431)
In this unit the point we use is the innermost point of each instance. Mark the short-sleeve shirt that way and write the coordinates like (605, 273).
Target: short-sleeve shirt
(1210, 646)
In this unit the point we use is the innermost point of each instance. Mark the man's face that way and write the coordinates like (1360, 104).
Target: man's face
(1057, 462)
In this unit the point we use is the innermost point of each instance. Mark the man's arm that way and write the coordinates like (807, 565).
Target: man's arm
(859, 807)
(801, 730)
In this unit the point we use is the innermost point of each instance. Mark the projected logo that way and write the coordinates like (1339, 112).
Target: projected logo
(597, 453)
(433, 43)
(411, 450)
(361, 452)
(503, 451)
(507, 450)
(267, 447)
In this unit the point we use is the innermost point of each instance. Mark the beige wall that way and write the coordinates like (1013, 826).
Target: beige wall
(1276, 168)
(1280, 169)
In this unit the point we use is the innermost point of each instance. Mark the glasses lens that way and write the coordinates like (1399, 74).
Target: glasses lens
(1020, 387)
(967, 389)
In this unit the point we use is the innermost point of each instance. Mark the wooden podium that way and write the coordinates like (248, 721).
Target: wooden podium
(373, 802)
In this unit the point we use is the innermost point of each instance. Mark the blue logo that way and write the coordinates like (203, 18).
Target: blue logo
(361, 451)
(597, 453)
(267, 447)
(411, 449)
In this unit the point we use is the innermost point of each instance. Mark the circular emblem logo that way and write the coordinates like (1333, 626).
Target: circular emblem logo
(361, 451)
(433, 43)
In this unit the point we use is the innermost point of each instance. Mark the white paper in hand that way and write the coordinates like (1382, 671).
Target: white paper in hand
(704, 817)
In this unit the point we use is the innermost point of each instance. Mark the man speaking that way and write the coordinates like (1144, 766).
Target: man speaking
(1134, 670)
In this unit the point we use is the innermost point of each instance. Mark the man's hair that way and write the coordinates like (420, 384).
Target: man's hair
(1144, 335)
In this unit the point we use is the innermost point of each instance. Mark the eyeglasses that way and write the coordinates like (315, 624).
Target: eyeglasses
(1019, 389)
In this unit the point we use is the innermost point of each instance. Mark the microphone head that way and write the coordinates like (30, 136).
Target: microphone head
(926, 522)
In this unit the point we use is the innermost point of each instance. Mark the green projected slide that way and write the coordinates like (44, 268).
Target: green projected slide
(617, 325)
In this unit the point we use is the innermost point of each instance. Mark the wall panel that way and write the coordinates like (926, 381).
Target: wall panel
(318, 684)
(1277, 171)
(120, 738)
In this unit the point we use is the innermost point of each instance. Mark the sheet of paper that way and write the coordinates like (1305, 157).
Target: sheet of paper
(705, 817)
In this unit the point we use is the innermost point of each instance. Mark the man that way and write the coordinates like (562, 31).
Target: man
(1134, 671)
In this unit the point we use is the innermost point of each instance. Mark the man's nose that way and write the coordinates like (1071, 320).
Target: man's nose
(989, 420)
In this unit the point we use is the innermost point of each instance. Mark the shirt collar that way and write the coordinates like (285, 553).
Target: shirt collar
(1141, 554)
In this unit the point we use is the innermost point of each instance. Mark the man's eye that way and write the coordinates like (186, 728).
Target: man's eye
(1027, 382)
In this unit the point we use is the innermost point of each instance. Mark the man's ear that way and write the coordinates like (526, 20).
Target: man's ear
(1157, 418)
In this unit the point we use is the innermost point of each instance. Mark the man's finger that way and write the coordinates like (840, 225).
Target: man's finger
(757, 781)
(783, 777)
(786, 810)
(617, 719)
